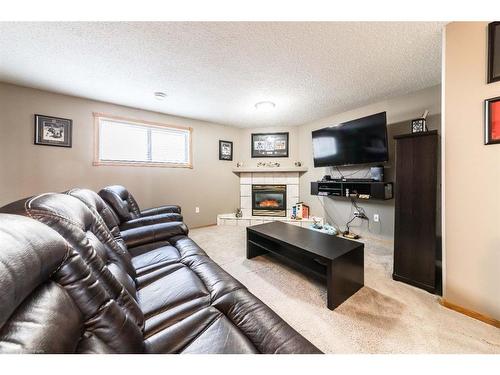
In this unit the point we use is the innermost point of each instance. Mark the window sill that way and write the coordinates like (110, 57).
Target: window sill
(140, 164)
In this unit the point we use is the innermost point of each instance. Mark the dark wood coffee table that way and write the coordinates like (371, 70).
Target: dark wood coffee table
(339, 260)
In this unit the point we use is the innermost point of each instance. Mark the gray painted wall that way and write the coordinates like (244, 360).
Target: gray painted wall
(26, 169)
(42, 169)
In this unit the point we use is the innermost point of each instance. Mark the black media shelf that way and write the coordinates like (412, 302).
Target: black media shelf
(375, 190)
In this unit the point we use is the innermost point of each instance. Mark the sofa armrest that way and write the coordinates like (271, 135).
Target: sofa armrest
(152, 233)
(167, 209)
(150, 220)
(268, 332)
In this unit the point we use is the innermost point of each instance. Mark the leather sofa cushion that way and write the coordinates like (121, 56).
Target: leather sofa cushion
(91, 239)
(221, 337)
(151, 220)
(151, 256)
(47, 322)
(155, 258)
(205, 331)
(169, 208)
(265, 329)
(174, 286)
(22, 267)
(153, 233)
(51, 301)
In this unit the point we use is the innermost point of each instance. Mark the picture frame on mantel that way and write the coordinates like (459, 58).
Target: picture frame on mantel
(494, 52)
(269, 145)
(492, 121)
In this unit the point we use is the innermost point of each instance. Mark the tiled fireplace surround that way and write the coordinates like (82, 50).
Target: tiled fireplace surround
(290, 179)
(247, 179)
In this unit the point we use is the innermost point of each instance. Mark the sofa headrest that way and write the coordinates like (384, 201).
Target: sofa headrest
(50, 301)
(95, 202)
(121, 201)
(51, 206)
(100, 208)
(68, 215)
(29, 253)
(87, 233)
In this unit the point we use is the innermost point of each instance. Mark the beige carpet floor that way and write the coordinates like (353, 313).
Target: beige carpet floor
(385, 316)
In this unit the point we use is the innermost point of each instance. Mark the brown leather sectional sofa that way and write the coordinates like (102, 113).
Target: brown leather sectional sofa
(83, 274)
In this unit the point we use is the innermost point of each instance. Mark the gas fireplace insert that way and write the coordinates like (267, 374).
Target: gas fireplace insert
(269, 200)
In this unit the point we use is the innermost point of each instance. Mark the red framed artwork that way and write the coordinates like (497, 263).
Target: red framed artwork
(492, 121)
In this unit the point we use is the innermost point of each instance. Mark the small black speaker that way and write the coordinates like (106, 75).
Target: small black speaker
(377, 174)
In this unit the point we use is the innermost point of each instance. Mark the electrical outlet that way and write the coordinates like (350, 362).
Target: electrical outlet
(376, 218)
(197, 210)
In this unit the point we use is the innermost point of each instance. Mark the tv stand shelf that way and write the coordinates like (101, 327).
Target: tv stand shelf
(375, 190)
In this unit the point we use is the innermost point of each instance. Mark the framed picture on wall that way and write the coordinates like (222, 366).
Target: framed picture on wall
(494, 52)
(269, 145)
(53, 131)
(492, 121)
(225, 150)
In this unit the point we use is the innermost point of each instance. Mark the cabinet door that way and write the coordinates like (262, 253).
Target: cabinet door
(415, 215)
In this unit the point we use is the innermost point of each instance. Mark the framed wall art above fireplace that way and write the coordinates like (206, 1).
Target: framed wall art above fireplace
(269, 145)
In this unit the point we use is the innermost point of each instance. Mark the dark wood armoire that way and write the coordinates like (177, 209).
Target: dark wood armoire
(415, 237)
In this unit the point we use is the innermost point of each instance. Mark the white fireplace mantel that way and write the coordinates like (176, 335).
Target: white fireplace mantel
(269, 169)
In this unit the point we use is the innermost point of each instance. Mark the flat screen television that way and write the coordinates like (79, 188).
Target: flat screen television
(360, 141)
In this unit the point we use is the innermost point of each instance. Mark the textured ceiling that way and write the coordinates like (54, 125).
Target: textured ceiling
(217, 71)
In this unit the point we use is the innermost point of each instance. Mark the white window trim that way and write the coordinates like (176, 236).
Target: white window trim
(98, 162)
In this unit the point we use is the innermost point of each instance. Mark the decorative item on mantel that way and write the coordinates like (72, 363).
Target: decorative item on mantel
(270, 164)
(418, 125)
(239, 213)
(298, 164)
(239, 164)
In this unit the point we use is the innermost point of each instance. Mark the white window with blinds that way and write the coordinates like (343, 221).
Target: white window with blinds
(129, 142)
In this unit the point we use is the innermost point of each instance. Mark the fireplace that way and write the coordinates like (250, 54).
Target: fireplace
(269, 200)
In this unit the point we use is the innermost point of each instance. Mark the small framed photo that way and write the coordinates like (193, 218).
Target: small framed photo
(53, 131)
(418, 125)
(492, 121)
(494, 52)
(269, 145)
(225, 150)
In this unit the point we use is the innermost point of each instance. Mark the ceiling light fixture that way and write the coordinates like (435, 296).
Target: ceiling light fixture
(160, 95)
(265, 106)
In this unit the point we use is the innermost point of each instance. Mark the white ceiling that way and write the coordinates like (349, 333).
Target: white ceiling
(217, 71)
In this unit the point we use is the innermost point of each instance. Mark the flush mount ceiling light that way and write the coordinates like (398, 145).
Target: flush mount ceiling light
(160, 95)
(265, 106)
